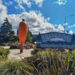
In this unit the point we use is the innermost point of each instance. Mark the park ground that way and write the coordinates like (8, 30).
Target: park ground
(15, 53)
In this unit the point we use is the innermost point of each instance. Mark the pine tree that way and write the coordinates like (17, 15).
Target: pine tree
(29, 36)
(6, 27)
(7, 33)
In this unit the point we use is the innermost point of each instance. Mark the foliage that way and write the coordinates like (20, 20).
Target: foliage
(44, 62)
(29, 36)
(3, 53)
(6, 27)
(73, 60)
(52, 63)
(15, 68)
(35, 51)
(7, 33)
(14, 45)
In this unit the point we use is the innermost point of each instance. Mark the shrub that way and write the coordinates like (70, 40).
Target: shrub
(45, 62)
(3, 53)
(35, 51)
(73, 61)
(14, 47)
(16, 68)
(52, 63)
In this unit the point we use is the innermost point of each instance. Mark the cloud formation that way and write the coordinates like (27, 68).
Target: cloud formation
(61, 2)
(39, 2)
(3, 12)
(36, 24)
(60, 27)
(71, 26)
(28, 3)
(36, 21)
(21, 2)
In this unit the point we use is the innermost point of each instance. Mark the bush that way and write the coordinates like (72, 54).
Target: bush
(29, 36)
(3, 53)
(35, 51)
(43, 62)
(14, 47)
(16, 68)
(52, 63)
(73, 61)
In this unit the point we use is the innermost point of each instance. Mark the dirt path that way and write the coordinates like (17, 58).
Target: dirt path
(15, 53)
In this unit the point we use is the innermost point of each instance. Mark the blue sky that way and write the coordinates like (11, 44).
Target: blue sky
(55, 12)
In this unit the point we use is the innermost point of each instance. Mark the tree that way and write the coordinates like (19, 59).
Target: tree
(29, 36)
(7, 33)
(6, 27)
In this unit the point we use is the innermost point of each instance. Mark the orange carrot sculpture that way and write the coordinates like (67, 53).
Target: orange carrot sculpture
(23, 29)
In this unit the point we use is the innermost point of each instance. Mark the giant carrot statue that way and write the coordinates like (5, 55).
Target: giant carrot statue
(23, 29)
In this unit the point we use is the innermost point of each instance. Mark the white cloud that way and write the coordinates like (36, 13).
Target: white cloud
(36, 24)
(71, 26)
(36, 21)
(3, 12)
(71, 32)
(61, 2)
(21, 2)
(39, 2)
(14, 20)
(60, 27)
(28, 3)
(65, 24)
